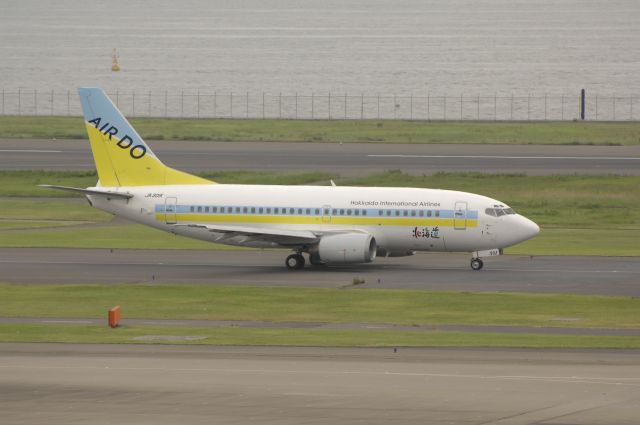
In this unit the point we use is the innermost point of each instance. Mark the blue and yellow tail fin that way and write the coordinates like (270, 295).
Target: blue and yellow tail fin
(122, 158)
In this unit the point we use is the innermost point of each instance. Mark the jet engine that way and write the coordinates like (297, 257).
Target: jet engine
(346, 248)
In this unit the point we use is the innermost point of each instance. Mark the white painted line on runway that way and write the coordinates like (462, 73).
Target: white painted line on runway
(589, 158)
(28, 151)
(618, 381)
(67, 321)
(258, 266)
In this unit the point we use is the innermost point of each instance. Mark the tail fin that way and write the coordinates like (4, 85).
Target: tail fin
(122, 158)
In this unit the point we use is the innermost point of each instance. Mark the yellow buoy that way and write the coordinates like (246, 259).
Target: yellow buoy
(114, 61)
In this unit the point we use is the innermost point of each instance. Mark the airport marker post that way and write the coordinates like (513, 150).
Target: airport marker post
(114, 317)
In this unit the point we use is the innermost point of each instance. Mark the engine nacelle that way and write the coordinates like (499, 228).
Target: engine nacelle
(347, 248)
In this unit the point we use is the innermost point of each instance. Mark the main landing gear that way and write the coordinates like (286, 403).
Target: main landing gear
(476, 264)
(295, 261)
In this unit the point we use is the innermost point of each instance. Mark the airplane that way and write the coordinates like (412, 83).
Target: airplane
(330, 224)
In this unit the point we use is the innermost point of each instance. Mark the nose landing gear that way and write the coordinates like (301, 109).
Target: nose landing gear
(476, 264)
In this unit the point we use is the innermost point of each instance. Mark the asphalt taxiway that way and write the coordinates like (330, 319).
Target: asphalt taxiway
(100, 384)
(347, 159)
(435, 271)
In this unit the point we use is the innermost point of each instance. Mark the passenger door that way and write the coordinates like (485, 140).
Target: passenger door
(170, 206)
(460, 216)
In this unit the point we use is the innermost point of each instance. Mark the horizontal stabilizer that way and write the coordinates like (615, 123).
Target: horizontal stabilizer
(89, 191)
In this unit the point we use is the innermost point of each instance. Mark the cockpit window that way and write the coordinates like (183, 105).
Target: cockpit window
(499, 211)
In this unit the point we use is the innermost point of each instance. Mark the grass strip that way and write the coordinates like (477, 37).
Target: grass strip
(302, 337)
(574, 211)
(599, 201)
(551, 241)
(24, 183)
(326, 305)
(384, 131)
(126, 236)
(51, 209)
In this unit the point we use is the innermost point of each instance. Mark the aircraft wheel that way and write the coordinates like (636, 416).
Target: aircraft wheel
(476, 264)
(294, 262)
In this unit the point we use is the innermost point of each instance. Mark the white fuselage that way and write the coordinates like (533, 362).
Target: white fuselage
(401, 220)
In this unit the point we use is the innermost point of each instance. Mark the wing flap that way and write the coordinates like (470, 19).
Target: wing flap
(283, 236)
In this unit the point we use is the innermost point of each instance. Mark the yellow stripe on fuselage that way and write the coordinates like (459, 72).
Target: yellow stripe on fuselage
(336, 220)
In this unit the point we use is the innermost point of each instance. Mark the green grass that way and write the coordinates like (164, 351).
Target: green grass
(134, 236)
(47, 209)
(592, 201)
(305, 337)
(567, 133)
(125, 236)
(330, 305)
(24, 183)
(35, 224)
(579, 214)
(594, 241)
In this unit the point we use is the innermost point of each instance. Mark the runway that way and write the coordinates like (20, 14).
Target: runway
(100, 384)
(349, 159)
(434, 271)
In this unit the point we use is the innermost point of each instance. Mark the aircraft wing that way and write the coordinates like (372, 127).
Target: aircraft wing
(247, 234)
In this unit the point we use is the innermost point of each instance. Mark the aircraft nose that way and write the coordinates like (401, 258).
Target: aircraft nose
(528, 228)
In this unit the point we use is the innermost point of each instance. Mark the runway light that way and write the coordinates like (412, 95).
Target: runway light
(114, 317)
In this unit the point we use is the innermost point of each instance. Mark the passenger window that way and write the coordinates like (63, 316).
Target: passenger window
(292, 210)
(317, 211)
(380, 212)
(199, 209)
(429, 213)
(437, 213)
(421, 213)
(308, 211)
(192, 209)
(335, 212)
(341, 212)
(348, 212)
(364, 212)
(300, 211)
(238, 210)
(388, 213)
(397, 213)
(268, 210)
(245, 210)
(356, 212)
(413, 213)
(214, 209)
(206, 209)
(405, 213)
(260, 210)
(326, 211)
